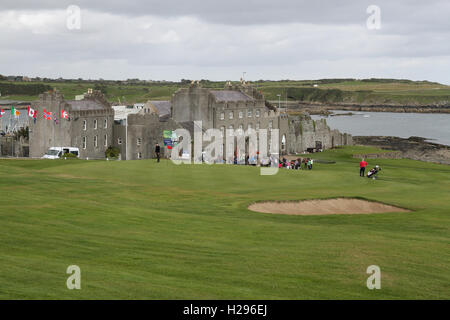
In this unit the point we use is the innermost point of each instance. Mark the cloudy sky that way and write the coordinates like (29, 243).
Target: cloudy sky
(219, 40)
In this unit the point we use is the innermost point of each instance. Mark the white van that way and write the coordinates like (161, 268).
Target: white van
(58, 152)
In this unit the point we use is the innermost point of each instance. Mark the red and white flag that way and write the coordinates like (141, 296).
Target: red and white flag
(31, 112)
(64, 114)
(47, 115)
(2, 112)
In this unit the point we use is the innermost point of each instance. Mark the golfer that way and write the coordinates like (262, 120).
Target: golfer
(362, 167)
(158, 151)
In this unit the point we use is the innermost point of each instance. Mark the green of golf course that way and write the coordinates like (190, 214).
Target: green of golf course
(147, 230)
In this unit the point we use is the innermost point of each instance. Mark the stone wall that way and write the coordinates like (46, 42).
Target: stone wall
(381, 155)
(145, 129)
(192, 104)
(306, 133)
(46, 133)
(12, 147)
(71, 132)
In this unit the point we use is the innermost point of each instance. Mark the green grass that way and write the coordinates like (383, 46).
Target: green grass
(114, 93)
(381, 91)
(139, 229)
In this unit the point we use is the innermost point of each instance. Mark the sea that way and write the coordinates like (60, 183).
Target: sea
(434, 127)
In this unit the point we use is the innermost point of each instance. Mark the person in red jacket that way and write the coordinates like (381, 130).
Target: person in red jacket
(362, 167)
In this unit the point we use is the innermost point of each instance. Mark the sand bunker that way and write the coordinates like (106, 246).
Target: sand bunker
(324, 207)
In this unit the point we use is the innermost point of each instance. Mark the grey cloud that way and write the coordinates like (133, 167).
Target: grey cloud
(242, 12)
(213, 39)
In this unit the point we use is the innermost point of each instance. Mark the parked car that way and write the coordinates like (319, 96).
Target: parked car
(58, 152)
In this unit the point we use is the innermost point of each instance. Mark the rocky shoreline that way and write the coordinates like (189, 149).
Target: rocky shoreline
(415, 148)
(323, 109)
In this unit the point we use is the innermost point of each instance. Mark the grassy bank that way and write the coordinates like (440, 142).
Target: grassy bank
(369, 91)
(139, 229)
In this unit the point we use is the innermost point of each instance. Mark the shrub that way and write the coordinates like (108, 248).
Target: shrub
(69, 155)
(112, 153)
(23, 89)
(22, 132)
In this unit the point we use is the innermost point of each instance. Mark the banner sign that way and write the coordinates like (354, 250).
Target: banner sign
(167, 134)
(168, 142)
(170, 138)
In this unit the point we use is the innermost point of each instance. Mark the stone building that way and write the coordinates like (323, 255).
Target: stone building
(236, 107)
(89, 125)
(244, 107)
(136, 137)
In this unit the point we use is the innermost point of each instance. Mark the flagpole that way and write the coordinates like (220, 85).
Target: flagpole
(126, 138)
(10, 119)
(45, 141)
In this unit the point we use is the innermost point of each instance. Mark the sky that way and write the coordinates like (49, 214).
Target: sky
(220, 40)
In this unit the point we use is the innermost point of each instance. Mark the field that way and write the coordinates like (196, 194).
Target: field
(371, 91)
(143, 230)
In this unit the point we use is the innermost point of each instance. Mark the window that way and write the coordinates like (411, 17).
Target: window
(249, 126)
(222, 115)
(257, 113)
(241, 114)
(139, 141)
(139, 155)
(119, 140)
(241, 127)
(106, 140)
(106, 124)
(230, 128)
(222, 130)
(231, 115)
(257, 126)
(84, 142)
(249, 113)
(95, 124)
(84, 124)
(96, 141)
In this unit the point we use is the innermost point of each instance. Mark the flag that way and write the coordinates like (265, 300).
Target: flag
(31, 112)
(2, 112)
(64, 114)
(47, 115)
(15, 112)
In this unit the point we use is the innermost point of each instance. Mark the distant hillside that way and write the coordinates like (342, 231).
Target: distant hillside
(363, 92)
(323, 91)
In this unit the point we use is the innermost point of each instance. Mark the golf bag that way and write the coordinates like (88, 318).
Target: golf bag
(373, 173)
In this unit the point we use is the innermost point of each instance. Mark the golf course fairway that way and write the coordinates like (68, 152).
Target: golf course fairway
(147, 230)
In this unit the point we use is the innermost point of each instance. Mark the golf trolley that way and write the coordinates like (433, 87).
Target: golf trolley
(374, 173)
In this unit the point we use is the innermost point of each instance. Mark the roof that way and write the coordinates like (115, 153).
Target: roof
(189, 126)
(230, 95)
(121, 112)
(83, 105)
(14, 102)
(163, 107)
